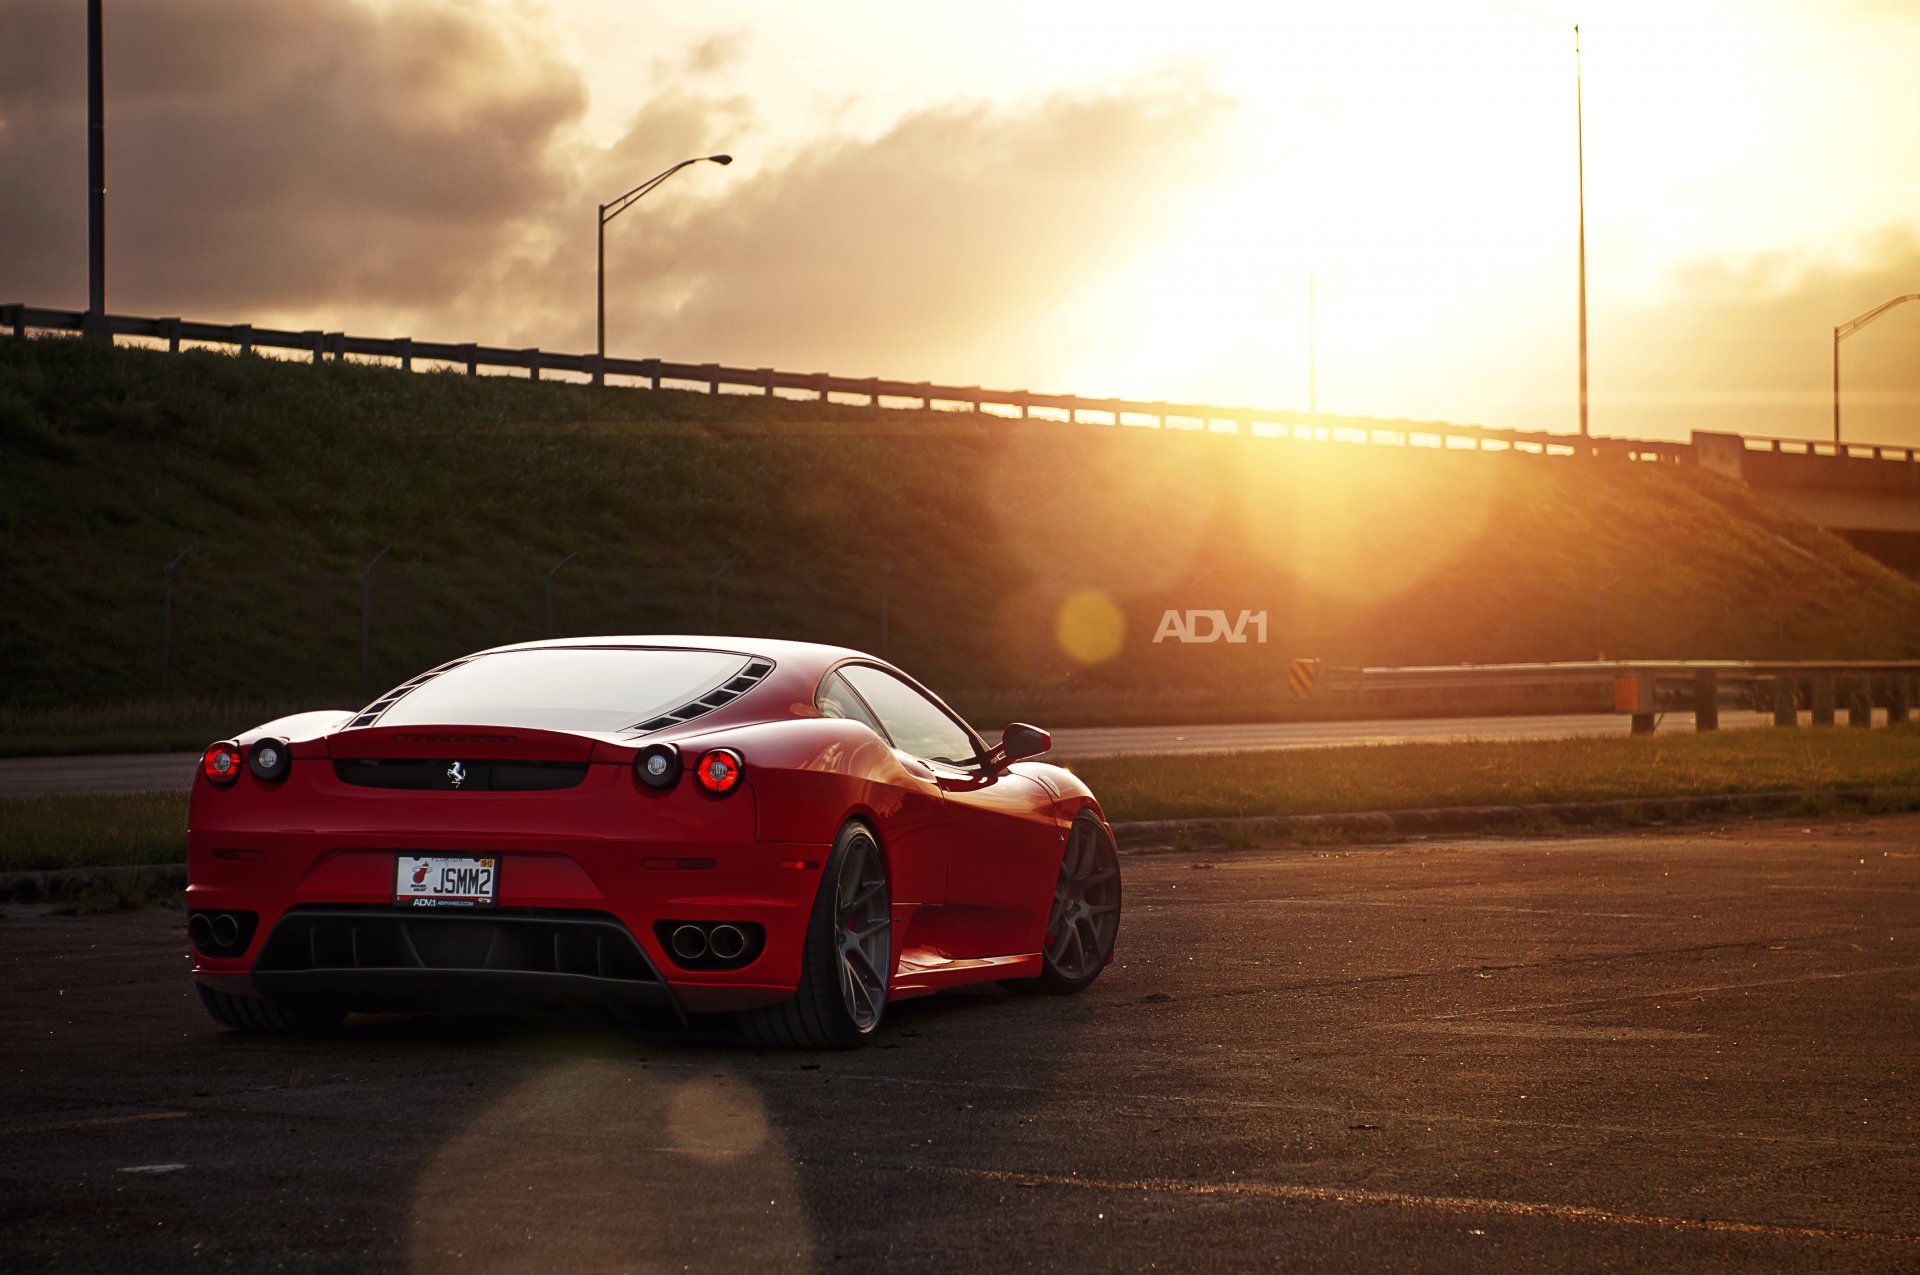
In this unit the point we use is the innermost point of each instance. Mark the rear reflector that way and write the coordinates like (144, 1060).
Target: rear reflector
(222, 763)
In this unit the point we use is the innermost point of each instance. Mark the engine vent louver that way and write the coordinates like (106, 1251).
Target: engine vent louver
(742, 682)
(371, 713)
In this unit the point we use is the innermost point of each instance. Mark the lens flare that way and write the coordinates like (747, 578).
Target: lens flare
(1090, 627)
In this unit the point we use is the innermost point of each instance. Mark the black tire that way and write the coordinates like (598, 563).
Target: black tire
(818, 1016)
(1089, 875)
(270, 1017)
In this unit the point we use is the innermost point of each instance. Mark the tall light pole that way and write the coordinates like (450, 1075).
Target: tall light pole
(1580, 164)
(1846, 330)
(95, 328)
(1313, 356)
(608, 211)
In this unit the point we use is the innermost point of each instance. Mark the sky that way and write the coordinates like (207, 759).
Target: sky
(1106, 198)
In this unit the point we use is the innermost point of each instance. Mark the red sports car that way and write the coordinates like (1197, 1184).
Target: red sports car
(795, 834)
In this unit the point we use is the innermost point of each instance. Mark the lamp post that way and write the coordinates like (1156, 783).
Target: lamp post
(1313, 355)
(1580, 168)
(96, 328)
(1846, 330)
(608, 211)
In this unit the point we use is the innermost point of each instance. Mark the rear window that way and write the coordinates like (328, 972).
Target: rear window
(565, 689)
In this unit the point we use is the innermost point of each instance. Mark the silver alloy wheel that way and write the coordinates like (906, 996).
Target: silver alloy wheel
(1086, 904)
(861, 932)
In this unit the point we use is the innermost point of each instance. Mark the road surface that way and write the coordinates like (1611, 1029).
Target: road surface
(1694, 1050)
(171, 772)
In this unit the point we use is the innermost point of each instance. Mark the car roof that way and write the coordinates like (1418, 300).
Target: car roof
(814, 656)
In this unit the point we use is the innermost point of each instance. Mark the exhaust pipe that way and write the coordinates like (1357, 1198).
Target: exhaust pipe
(727, 942)
(226, 930)
(200, 930)
(689, 942)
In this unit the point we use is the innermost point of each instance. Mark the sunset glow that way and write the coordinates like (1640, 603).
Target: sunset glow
(1175, 185)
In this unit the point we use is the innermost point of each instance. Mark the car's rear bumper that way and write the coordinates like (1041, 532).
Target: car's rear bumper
(575, 921)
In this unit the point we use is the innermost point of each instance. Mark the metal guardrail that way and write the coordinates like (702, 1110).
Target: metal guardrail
(320, 345)
(1843, 451)
(1642, 687)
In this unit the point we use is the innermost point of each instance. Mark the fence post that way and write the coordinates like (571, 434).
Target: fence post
(317, 342)
(1706, 700)
(824, 380)
(405, 345)
(1823, 697)
(1859, 702)
(243, 337)
(172, 328)
(473, 359)
(17, 315)
(533, 363)
(1784, 711)
(1897, 705)
(766, 381)
(712, 371)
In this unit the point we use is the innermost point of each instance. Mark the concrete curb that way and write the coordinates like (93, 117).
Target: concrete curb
(64, 883)
(1160, 834)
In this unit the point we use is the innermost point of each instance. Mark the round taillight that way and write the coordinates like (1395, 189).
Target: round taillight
(658, 766)
(719, 771)
(269, 759)
(222, 763)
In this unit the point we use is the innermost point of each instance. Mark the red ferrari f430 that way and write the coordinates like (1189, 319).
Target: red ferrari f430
(793, 834)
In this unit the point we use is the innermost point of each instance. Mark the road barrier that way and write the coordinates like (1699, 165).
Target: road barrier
(320, 345)
(1302, 676)
(1642, 689)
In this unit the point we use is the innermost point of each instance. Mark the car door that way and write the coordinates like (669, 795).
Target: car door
(1003, 842)
(915, 817)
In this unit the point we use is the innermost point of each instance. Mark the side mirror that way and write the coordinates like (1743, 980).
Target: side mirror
(1020, 741)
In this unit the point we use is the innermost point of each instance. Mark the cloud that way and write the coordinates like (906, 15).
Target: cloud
(1746, 345)
(933, 248)
(418, 166)
(276, 157)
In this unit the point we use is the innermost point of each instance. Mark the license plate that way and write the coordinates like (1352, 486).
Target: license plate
(441, 882)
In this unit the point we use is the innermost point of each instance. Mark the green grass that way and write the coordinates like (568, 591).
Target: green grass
(287, 478)
(91, 832)
(60, 832)
(1409, 776)
(149, 726)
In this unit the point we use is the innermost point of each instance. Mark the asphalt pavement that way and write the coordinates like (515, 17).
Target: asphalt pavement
(172, 772)
(1693, 1049)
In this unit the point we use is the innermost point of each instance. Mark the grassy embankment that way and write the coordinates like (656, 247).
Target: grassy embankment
(1023, 566)
(54, 832)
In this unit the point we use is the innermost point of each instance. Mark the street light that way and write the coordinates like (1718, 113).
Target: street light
(608, 212)
(96, 328)
(1580, 167)
(1846, 330)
